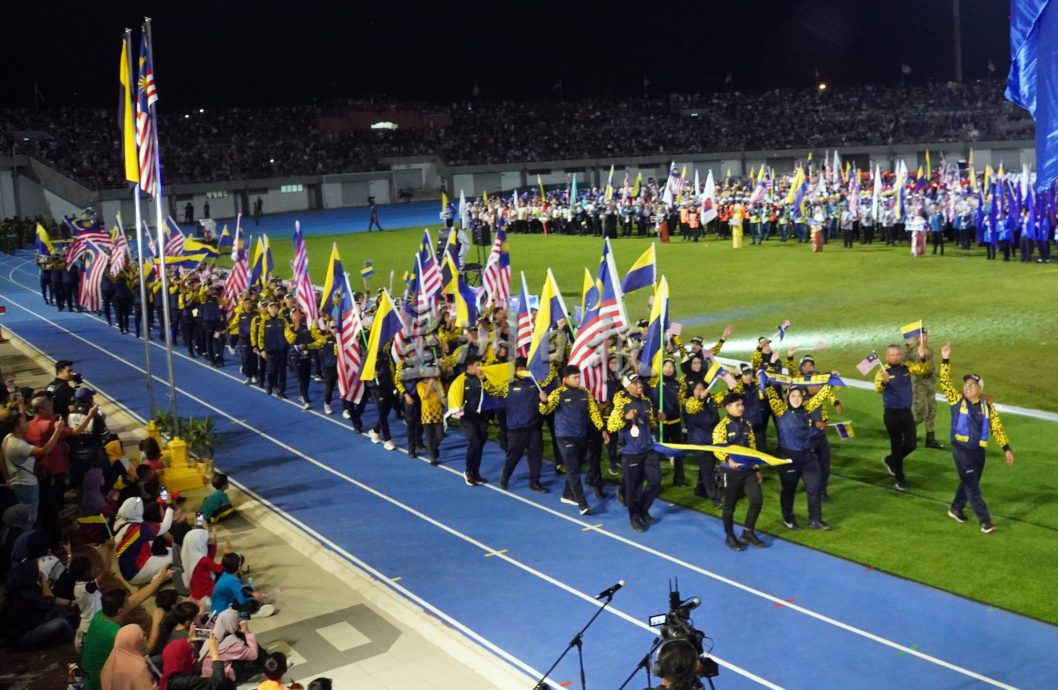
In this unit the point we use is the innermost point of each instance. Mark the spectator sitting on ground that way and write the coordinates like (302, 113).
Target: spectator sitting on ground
(321, 684)
(237, 646)
(175, 625)
(151, 454)
(178, 667)
(134, 538)
(201, 569)
(217, 506)
(125, 668)
(229, 592)
(143, 474)
(275, 667)
(36, 618)
(99, 638)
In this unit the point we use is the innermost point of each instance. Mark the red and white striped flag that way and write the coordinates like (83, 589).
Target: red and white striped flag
(146, 144)
(429, 271)
(119, 255)
(174, 242)
(86, 241)
(350, 387)
(90, 295)
(593, 374)
(525, 322)
(497, 275)
(306, 296)
(237, 282)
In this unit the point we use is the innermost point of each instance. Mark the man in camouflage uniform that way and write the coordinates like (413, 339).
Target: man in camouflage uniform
(924, 390)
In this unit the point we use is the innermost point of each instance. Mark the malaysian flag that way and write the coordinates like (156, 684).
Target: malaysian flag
(430, 272)
(85, 234)
(604, 317)
(497, 275)
(237, 281)
(593, 374)
(525, 322)
(306, 296)
(146, 144)
(119, 255)
(90, 295)
(350, 387)
(174, 242)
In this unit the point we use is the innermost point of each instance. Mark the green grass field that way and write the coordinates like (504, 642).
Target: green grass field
(998, 316)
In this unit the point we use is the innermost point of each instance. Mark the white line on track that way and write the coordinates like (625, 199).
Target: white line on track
(581, 524)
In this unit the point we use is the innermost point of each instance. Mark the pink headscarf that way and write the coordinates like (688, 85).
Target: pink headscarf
(125, 668)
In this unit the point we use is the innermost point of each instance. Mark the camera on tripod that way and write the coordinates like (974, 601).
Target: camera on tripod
(678, 625)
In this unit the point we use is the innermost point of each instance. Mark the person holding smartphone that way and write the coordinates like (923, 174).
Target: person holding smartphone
(178, 665)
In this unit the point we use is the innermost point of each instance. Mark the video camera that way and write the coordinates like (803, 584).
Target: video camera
(678, 625)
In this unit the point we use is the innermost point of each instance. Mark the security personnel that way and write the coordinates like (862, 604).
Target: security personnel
(302, 338)
(475, 425)
(272, 347)
(893, 381)
(973, 422)
(702, 415)
(575, 414)
(524, 423)
(793, 418)
(738, 477)
(633, 418)
(923, 393)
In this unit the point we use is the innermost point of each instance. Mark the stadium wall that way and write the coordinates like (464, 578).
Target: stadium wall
(31, 187)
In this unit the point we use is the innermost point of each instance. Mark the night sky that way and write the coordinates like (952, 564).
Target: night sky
(270, 52)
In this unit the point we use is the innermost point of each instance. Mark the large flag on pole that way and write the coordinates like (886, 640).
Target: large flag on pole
(430, 273)
(643, 272)
(386, 325)
(349, 325)
(603, 316)
(525, 322)
(709, 199)
(332, 284)
(174, 238)
(548, 314)
(497, 275)
(1033, 79)
(306, 296)
(237, 281)
(42, 242)
(119, 255)
(127, 121)
(262, 265)
(654, 343)
(450, 263)
(90, 293)
(146, 96)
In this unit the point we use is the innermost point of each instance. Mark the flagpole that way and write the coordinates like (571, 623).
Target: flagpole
(146, 326)
(158, 200)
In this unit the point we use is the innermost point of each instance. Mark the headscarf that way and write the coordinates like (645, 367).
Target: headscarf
(177, 660)
(225, 628)
(195, 548)
(125, 668)
(92, 498)
(24, 573)
(130, 512)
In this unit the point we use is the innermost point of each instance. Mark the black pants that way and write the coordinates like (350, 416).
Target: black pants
(434, 433)
(303, 372)
(189, 332)
(248, 359)
(820, 445)
(805, 467)
(574, 450)
(638, 469)
(108, 307)
(593, 454)
(673, 433)
(45, 287)
(900, 425)
(737, 484)
(530, 442)
(330, 380)
(52, 489)
(413, 422)
(707, 474)
(383, 398)
(937, 239)
(970, 464)
(475, 431)
(123, 308)
(355, 411)
(847, 235)
(210, 343)
(276, 372)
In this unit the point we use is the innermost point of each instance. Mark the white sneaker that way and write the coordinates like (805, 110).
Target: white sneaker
(389, 445)
(306, 406)
(327, 408)
(345, 413)
(265, 611)
(247, 382)
(373, 435)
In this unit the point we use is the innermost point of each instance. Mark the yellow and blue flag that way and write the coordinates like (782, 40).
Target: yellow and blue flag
(333, 283)
(911, 330)
(450, 264)
(548, 314)
(128, 128)
(262, 265)
(843, 429)
(643, 272)
(811, 380)
(42, 241)
(654, 343)
(466, 302)
(744, 455)
(385, 326)
(368, 270)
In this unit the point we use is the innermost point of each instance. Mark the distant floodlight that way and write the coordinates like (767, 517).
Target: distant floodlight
(822, 86)
(384, 125)
(187, 117)
(201, 110)
(271, 160)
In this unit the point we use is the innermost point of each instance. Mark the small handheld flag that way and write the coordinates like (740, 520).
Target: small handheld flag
(869, 362)
(844, 430)
(43, 242)
(911, 330)
(368, 270)
(782, 328)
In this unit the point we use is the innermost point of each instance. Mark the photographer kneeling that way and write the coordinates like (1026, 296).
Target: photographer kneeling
(676, 665)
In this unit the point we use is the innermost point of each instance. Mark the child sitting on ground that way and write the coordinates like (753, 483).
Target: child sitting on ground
(217, 506)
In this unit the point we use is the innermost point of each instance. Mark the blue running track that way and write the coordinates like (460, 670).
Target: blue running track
(517, 572)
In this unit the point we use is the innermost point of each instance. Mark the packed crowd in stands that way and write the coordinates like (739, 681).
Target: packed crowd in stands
(241, 143)
(89, 535)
